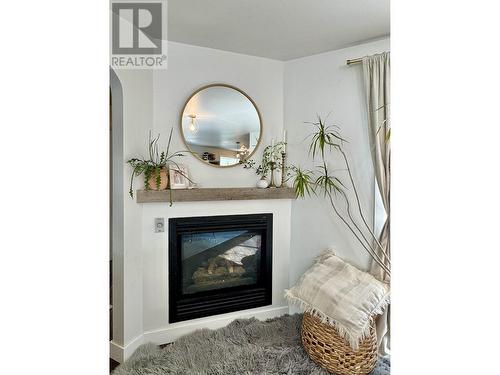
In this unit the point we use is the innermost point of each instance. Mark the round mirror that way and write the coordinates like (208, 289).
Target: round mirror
(221, 125)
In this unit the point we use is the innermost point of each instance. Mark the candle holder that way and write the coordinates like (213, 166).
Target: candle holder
(283, 168)
(272, 165)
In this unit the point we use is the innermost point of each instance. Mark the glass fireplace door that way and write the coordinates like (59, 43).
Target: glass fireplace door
(219, 264)
(220, 259)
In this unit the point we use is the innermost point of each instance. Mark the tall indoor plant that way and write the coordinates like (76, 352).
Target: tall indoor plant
(326, 138)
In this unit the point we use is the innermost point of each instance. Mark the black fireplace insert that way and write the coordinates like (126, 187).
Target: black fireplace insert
(219, 264)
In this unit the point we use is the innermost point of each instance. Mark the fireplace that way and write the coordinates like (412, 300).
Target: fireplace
(219, 264)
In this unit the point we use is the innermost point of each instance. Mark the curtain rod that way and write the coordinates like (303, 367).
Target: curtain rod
(354, 61)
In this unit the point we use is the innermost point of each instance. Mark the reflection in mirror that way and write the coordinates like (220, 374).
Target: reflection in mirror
(221, 125)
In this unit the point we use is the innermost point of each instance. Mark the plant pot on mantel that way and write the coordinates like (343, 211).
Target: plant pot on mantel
(153, 179)
(262, 183)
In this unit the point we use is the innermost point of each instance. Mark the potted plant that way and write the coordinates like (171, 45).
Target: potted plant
(271, 160)
(155, 168)
(326, 138)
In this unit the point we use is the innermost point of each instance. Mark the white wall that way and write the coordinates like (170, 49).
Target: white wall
(117, 201)
(137, 87)
(190, 67)
(321, 84)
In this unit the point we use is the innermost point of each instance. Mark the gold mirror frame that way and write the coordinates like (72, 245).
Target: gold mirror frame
(244, 94)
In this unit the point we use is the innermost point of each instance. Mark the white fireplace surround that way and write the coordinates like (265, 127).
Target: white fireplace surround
(152, 308)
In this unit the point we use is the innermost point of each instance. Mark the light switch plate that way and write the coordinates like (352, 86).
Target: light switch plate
(159, 225)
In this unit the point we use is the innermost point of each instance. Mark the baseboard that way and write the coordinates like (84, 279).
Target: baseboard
(120, 353)
(116, 351)
(166, 335)
(174, 331)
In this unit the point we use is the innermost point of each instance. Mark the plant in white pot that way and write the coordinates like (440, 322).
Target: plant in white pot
(271, 159)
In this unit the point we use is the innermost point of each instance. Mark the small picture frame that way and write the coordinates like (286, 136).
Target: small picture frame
(179, 177)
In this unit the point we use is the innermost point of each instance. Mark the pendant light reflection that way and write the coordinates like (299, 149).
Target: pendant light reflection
(193, 125)
(242, 152)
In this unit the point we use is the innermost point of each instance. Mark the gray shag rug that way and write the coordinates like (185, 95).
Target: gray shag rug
(246, 346)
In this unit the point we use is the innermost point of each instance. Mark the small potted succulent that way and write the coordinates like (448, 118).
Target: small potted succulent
(154, 169)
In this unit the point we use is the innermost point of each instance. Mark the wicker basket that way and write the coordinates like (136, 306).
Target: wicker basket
(330, 351)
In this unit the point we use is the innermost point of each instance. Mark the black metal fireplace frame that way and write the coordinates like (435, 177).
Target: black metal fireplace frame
(208, 303)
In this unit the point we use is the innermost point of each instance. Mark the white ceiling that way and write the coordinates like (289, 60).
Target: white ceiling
(277, 29)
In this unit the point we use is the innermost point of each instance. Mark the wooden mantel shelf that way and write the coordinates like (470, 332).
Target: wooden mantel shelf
(214, 194)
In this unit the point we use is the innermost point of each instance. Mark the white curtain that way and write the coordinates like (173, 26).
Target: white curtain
(377, 77)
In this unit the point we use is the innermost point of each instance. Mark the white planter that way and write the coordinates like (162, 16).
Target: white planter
(262, 183)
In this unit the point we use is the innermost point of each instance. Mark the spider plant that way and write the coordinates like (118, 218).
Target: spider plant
(328, 138)
(152, 166)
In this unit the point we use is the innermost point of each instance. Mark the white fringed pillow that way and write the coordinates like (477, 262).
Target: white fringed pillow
(340, 295)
